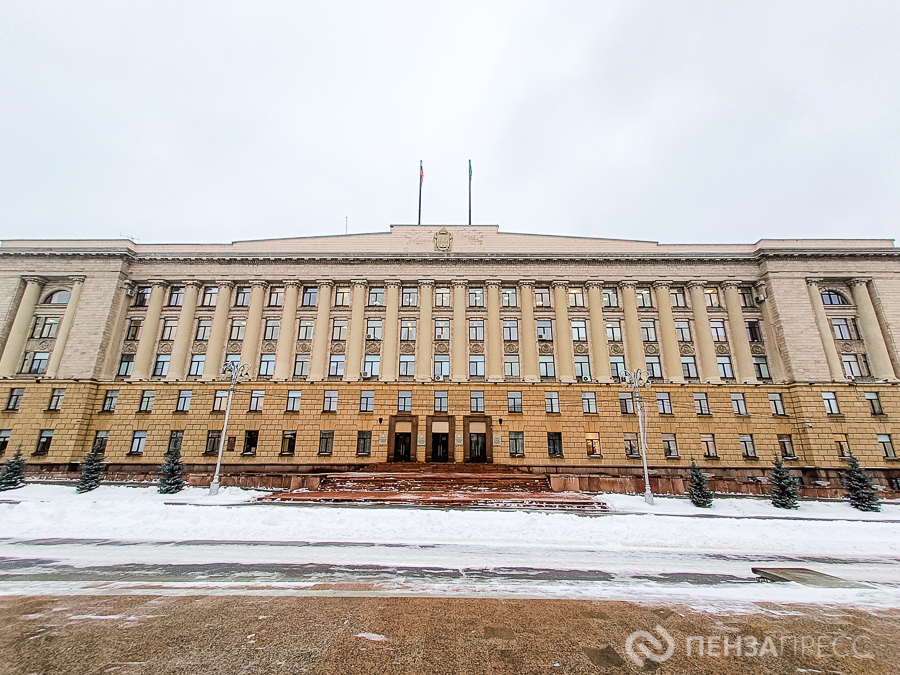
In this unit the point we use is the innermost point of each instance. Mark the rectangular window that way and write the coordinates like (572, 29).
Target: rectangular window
(184, 400)
(176, 296)
(441, 329)
(516, 443)
(701, 404)
(725, 370)
(841, 444)
(404, 401)
(551, 402)
(198, 361)
(544, 330)
(276, 296)
(56, 399)
(610, 297)
(617, 367)
(476, 329)
(273, 328)
(511, 366)
(777, 404)
(35, 363)
(829, 398)
(288, 442)
(336, 365)
(582, 369)
(854, 366)
(476, 366)
(508, 297)
(441, 401)
(576, 297)
(373, 329)
(242, 296)
(134, 329)
(670, 445)
(367, 401)
(176, 438)
(142, 296)
(887, 446)
(408, 330)
(408, 365)
(110, 399)
(293, 400)
(342, 297)
(372, 365)
(689, 366)
(761, 368)
(220, 402)
(210, 295)
(476, 297)
(169, 328)
(738, 404)
(138, 439)
(554, 444)
(663, 403)
(251, 442)
(213, 439)
(301, 365)
(101, 438)
(626, 402)
(579, 331)
(510, 329)
(874, 403)
(476, 401)
(708, 443)
(148, 396)
(614, 331)
(442, 297)
(754, 334)
(676, 296)
(746, 295)
(547, 368)
(541, 297)
(267, 365)
(514, 401)
(787, 446)
(718, 331)
(588, 402)
(631, 445)
(683, 330)
(306, 329)
(712, 297)
(441, 366)
(363, 443)
(238, 326)
(257, 396)
(841, 329)
(747, 447)
(409, 297)
(310, 296)
(648, 331)
(204, 327)
(653, 366)
(329, 401)
(592, 440)
(339, 329)
(49, 328)
(644, 299)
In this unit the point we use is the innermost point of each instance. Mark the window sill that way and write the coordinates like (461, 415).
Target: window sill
(294, 411)
(892, 459)
(324, 454)
(517, 454)
(52, 410)
(589, 412)
(749, 457)
(180, 412)
(711, 457)
(667, 414)
(254, 411)
(285, 454)
(632, 456)
(106, 412)
(555, 456)
(673, 456)
(595, 456)
(134, 454)
(744, 415)
(143, 412)
(790, 459)
(706, 414)
(216, 412)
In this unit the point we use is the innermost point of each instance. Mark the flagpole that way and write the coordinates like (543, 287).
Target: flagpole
(421, 178)
(470, 192)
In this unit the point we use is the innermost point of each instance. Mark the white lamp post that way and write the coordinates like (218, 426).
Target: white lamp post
(236, 371)
(635, 380)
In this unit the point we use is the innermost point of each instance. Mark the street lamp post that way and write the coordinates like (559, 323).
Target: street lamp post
(635, 380)
(236, 371)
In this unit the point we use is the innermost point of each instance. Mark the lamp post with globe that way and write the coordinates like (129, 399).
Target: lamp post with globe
(634, 380)
(236, 371)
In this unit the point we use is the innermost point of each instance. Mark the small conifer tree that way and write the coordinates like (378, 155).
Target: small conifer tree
(170, 473)
(700, 495)
(91, 472)
(860, 488)
(784, 490)
(13, 474)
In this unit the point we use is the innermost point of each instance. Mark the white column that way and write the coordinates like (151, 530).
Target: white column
(425, 331)
(18, 334)
(459, 333)
(62, 335)
(634, 345)
(494, 333)
(218, 334)
(876, 348)
(318, 361)
(356, 336)
(565, 358)
(599, 343)
(184, 332)
(706, 348)
(250, 348)
(287, 332)
(668, 339)
(740, 343)
(143, 359)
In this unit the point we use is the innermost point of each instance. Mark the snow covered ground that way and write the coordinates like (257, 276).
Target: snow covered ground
(649, 552)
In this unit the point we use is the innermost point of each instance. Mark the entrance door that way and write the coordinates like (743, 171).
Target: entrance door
(477, 447)
(402, 447)
(440, 447)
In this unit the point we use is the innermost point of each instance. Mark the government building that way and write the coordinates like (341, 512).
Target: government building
(453, 344)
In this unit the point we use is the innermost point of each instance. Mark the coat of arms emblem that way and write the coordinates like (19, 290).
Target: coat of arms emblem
(443, 240)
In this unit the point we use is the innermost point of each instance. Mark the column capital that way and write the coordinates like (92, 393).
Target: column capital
(493, 282)
(426, 282)
(559, 282)
(813, 281)
(225, 283)
(731, 283)
(526, 282)
(259, 282)
(762, 284)
(162, 283)
(324, 282)
(627, 283)
(594, 283)
(859, 281)
(77, 278)
(359, 282)
(32, 279)
(291, 282)
(459, 282)
(192, 282)
(697, 283)
(390, 282)
(662, 283)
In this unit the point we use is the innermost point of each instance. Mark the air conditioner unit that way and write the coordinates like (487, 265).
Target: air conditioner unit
(438, 378)
(129, 292)
(761, 297)
(585, 378)
(366, 374)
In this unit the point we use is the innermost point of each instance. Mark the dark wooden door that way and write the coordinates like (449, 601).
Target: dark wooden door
(402, 447)
(477, 448)
(440, 447)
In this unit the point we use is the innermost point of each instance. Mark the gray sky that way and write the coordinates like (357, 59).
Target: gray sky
(671, 121)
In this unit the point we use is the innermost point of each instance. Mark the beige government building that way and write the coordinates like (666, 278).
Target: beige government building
(455, 344)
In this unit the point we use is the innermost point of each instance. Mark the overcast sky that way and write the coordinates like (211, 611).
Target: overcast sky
(670, 121)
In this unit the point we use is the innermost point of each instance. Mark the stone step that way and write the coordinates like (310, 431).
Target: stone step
(494, 499)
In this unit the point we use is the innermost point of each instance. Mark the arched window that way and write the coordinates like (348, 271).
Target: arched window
(57, 298)
(833, 298)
